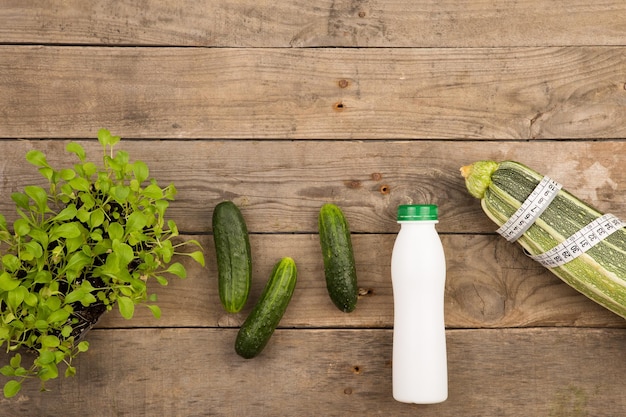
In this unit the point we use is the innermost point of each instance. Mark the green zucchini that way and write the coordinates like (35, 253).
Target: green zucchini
(599, 273)
(338, 256)
(260, 324)
(232, 252)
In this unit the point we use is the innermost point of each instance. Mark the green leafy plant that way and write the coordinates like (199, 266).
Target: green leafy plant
(90, 242)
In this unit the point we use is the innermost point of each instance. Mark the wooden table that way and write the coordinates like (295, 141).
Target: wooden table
(283, 106)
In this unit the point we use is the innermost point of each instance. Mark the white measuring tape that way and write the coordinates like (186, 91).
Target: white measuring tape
(570, 248)
(530, 210)
(580, 242)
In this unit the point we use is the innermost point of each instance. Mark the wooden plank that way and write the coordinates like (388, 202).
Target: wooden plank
(195, 372)
(298, 23)
(280, 185)
(490, 284)
(493, 93)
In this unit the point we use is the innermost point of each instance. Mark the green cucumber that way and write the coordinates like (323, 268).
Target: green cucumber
(599, 273)
(232, 251)
(339, 266)
(260, 324)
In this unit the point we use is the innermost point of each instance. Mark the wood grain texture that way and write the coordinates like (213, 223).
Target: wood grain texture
(280, 185)
(284, 106)
(298, 23)
(195, 372)
(490, 284)
(393, 93)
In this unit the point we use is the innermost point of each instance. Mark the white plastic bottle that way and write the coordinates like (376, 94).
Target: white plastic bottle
(418, 274)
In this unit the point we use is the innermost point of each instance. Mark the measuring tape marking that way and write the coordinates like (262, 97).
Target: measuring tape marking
(535, 204)
(580, 242)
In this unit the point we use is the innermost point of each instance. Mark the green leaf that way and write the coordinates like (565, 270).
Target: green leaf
(96, 218)
(82, 294)
(80, 184)
(111, 266)
(41, 325)
(50, 341)
(31, 299)
(156, 310)
(166, 251)
(67, 174)
(46, 357)
(74, 244)
(88, 299)
(7, 283)
(153, 191)
(39, 196)
(7, 370)
(47, 173)
(96, 235)
(78, 261)
(11, 388)
(21, 200)
(197, 256)
(37, 158)
(49, 370)
(66, 331)
(67, 193)
(141, 171)
(193, 242)
(58, 316)
(68, 213)
(43, 277)
(170, 192)
(177, 269)
(121, 193)
(16, 296)
(136, 222)
(70, 371)
(33, 248)
(173, 228)
(126, 307)
(65, 230)
(122, 158)
(124, 252)
(11, 262)
(134, 186)
(21, 227)
(87, 200)
(116, 231)
(9, 317)
(83, 346)
(106, 139)
(39, 236)
(16, 360)
(53, 302)
(89, 168)
(74, 296)
(83, 214)
(76, 149)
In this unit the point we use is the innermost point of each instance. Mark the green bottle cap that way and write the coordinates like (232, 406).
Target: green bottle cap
(411, 212)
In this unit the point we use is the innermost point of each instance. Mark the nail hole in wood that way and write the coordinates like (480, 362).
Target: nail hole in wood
(354, 184)
(366, 292)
